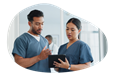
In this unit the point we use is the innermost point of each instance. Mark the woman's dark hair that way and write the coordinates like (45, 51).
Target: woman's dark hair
(76, 22)
(34, 13)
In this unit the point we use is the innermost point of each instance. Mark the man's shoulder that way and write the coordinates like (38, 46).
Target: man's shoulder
(24, 34)
(24, 37)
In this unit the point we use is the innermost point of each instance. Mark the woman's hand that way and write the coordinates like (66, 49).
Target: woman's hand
(62, 64)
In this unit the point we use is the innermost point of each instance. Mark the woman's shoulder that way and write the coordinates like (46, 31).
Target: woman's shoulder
(62, 48)
(63, 45)
(81, 42)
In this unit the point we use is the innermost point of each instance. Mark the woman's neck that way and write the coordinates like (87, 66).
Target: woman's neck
(73, 40)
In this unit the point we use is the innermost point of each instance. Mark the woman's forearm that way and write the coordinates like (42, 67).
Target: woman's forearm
(80, 66)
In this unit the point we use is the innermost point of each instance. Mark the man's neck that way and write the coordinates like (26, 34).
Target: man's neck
(32, 33)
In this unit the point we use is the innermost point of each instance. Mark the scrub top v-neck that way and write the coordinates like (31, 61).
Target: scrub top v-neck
(27, 46)
(77, 53)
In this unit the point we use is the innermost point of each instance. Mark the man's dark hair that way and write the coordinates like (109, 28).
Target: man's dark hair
(49, 37)
(34, 13)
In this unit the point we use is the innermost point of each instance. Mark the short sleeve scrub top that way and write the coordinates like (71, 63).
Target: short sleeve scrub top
(78, 53)
(27, 46)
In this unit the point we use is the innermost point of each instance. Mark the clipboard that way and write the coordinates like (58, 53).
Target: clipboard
(52, 58)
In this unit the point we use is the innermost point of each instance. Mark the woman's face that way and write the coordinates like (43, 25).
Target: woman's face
(72, 31)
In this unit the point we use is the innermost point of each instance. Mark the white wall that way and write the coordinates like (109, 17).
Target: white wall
(5, 19)
(106, 27)
(12, 34)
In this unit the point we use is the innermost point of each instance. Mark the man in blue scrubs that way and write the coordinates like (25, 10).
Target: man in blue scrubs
(31, 49)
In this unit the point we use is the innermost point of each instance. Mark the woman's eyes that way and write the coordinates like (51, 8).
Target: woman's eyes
(68, 29)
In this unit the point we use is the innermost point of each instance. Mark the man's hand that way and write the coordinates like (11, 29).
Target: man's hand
(44, 53)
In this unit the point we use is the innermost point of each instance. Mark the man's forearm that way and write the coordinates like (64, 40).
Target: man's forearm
(26, 62)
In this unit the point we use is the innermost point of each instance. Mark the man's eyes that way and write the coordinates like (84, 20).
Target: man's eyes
(39, 23)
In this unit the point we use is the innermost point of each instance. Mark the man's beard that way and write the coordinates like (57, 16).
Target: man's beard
(36, 32)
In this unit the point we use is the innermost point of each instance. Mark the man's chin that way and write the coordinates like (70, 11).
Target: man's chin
(39, 33)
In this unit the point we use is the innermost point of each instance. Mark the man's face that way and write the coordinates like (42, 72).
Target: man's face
(37, 25)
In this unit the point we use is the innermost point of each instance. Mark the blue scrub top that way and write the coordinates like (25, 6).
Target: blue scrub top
(78, 53)
(27, 46)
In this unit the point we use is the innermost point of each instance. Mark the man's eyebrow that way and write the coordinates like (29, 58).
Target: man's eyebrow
(36, 22)
(39, 22)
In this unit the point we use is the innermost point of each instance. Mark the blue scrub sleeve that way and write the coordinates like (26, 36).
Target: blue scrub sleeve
(19, 47)
(85, 54)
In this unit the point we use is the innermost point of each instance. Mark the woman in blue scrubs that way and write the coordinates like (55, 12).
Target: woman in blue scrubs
(78, 53)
